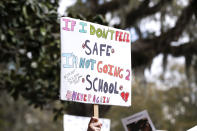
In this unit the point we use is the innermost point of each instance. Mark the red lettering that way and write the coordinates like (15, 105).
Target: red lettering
(89, 96)
(84, 97)
(120, 37)
(94, 98)
(105, 69)
(108, 98)
(78, 96)
(120, 75)
(117, 72)
(127, 38)
(99, 69)
(124, 37)
(104, 99)
(117, 32)
(110, 71)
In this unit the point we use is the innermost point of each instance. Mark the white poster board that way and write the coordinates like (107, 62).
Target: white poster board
(193, 129)
(78, 123)
(138, 121)
(95, 63)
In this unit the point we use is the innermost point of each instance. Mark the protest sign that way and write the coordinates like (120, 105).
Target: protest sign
(95, 63)
(193, 129)
(137, 122)
(78, 123)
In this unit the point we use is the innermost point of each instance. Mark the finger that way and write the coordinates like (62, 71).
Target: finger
(96, 129)
(97, 124)
(93, 119)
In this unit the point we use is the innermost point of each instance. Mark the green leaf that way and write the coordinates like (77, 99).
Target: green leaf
(43, 31)
(25, 12)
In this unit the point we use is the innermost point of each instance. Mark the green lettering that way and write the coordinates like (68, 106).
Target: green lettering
(99, 33)
(105, 33)
(112, 32)
(92, 30)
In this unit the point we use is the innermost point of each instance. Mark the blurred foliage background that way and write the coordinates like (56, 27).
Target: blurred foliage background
(30, 62)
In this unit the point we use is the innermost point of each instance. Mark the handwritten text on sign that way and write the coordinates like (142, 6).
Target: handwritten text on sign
(95, 63)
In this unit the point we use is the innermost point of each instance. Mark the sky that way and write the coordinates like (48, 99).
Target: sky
(64, 4)
(153, 74)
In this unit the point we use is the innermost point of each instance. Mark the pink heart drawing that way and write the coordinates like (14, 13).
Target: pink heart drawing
(125, 96)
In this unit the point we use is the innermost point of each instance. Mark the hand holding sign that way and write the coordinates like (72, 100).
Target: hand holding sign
(94, 124)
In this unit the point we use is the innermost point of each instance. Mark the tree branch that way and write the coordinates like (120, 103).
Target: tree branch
(142, 11)
(185, 49)
(143, 51)
(174, 33)
(111, 6)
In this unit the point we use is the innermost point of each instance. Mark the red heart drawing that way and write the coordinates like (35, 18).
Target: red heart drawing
(125, 96)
